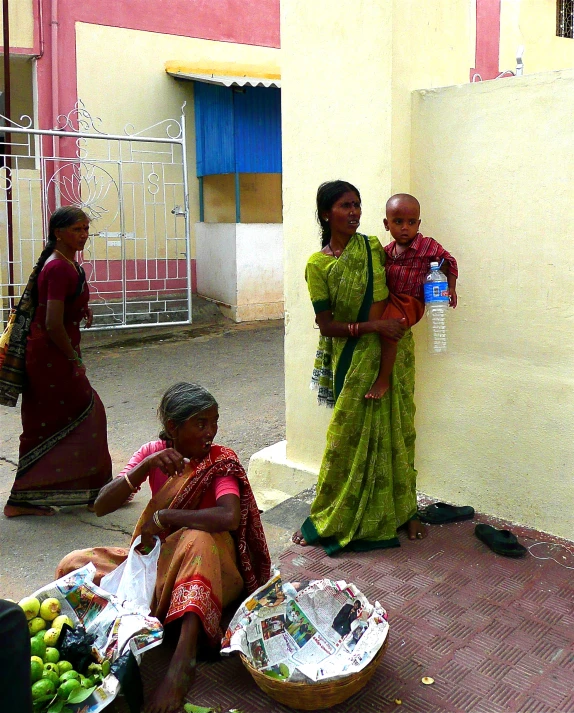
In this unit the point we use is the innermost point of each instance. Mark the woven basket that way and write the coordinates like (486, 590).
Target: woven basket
(315, 696)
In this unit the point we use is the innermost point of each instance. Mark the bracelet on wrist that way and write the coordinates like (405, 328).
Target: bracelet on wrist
(156, 520)
(353, 329)
(130, 484)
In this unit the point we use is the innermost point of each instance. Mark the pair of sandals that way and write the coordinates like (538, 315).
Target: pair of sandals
(502, 542)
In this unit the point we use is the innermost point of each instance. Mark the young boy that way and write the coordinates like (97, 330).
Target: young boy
(408, 261)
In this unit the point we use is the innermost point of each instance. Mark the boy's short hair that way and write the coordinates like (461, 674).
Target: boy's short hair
(398, 197)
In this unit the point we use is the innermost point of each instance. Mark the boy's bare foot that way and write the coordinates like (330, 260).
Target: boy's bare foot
(168, 698)
(378, 389)
(36, 510)
(416, 530)
(298, 539)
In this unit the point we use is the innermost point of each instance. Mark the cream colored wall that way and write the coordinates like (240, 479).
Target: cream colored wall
(349, 118)
(21, 19)
(121, 79)
(336, 107)
(21, 102)
(433, 45)
(492, 167)
(259, 196)
(532, 23)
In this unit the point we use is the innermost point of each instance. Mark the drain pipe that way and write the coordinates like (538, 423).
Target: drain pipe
(55, 96)
(55, 58)
(8, 152)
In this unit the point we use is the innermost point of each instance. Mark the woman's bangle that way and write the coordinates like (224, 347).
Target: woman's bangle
(77, 358)
(130, 484)
(156, 519)
(354, 329)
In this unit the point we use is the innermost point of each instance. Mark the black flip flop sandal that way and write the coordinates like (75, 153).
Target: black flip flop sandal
(503, 542)
(442, 513)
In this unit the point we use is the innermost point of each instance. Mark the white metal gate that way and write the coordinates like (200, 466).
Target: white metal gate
(134, 188)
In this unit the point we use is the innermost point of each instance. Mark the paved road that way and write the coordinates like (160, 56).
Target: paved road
(243, 367)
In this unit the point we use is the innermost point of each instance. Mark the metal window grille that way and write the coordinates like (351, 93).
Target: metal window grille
(565, 18)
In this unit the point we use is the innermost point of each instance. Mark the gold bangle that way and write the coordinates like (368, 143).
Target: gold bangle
(129, 482)
(156, 519)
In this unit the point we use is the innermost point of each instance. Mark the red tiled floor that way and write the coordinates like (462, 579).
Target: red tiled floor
(496, 634)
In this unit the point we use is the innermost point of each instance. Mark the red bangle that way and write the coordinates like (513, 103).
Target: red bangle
(354, 329)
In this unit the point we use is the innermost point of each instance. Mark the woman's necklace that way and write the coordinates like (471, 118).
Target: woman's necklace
(336, 253)
(67, 259)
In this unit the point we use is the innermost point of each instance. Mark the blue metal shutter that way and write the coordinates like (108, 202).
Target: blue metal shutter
(237, 131)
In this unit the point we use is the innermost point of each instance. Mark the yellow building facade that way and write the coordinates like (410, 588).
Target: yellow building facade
(389, 106)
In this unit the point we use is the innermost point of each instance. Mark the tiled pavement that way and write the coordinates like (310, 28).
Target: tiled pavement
(496, 634)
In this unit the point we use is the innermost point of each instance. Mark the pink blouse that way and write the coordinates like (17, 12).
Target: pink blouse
(220, 485)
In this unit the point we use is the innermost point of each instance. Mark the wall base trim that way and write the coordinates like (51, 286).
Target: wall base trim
(274, 479)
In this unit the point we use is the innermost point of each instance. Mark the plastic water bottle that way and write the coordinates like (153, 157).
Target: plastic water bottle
(436, 306)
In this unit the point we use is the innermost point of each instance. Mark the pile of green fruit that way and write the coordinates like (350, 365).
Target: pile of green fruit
(54, 682)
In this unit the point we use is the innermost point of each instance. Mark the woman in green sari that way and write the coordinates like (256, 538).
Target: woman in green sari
(367, 482)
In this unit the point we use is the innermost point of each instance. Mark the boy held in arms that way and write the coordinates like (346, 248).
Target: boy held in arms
(408, 259)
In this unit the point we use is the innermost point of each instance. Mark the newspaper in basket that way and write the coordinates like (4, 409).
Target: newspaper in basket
(307, 631)
(117, 627)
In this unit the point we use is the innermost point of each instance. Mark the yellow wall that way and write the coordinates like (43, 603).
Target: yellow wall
(21, 104)
(492, 167)
(259, 195)
(21, 19)
(337, 112)
(349, 118)
(121, 79)
(485, 159)
(532, 23)
(433, 45)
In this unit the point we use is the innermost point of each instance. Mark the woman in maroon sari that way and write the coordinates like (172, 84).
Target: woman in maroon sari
(64, 458)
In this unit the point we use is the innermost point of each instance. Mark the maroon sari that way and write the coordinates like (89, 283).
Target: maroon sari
(64, 458)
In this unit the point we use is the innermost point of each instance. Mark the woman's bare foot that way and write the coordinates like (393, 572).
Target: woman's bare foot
(168, 698)
(378, 389)
(36, 510)
(416, 530)
(298, 539)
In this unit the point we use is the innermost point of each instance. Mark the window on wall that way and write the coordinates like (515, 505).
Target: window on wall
(565, 18)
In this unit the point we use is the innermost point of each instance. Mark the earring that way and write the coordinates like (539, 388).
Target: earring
(326, 220)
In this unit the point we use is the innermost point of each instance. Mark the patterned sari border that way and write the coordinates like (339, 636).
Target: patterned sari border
(58, 498)
(196, 595)
(34, 455)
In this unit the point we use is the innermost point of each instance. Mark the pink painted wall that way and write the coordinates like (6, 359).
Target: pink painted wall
(254, 23)
(142, 277)
(487, 39)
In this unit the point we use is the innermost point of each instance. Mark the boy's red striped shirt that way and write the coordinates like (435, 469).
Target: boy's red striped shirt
(406, 272)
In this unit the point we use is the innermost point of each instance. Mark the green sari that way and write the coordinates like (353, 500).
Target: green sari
(367, 482)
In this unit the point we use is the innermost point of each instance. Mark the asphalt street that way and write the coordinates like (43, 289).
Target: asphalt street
(242, 365)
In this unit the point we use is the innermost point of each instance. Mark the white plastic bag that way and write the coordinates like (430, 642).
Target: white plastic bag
(133, 581)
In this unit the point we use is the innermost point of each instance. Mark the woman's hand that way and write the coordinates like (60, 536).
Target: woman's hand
(391, 328)
(148, 532)
(89, 317)
(168, 461)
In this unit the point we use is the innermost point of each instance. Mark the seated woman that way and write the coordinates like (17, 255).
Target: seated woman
(202, 508)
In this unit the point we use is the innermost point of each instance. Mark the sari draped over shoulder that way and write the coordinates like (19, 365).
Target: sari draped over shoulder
(198, 571)
(367, 481)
